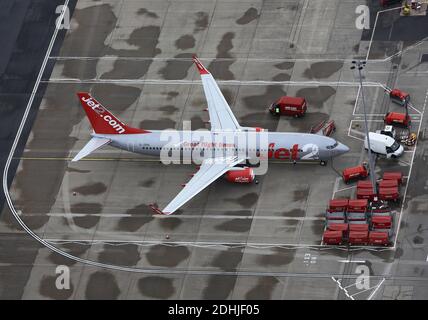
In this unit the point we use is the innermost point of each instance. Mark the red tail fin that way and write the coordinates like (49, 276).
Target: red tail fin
(101, 119)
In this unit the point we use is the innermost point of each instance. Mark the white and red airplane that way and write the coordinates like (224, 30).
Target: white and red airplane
(229, 159)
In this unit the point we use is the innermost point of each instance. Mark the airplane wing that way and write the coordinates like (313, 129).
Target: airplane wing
(221, 117)
(210, 170)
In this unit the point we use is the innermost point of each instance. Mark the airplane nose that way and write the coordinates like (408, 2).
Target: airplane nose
(341, 149)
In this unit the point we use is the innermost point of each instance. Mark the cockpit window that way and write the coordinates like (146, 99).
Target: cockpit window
(333, 145)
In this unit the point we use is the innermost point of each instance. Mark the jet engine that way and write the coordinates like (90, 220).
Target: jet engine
(240, 175)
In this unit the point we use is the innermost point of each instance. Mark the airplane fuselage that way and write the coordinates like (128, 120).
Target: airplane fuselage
(273, 145)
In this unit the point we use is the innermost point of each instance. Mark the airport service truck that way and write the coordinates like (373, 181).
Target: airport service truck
(384, 145)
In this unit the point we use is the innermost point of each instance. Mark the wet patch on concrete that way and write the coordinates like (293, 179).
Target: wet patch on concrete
(171, 94)
(76, 69)
(156, 287)
(186, 41)
(168, 109)
(147, 183)
(316, 96)
(263, 290)
(114, 97)
(317, 227)
(281, 77)
(310, 119)
(260, 119)
(301, 194)
(86, 207)
(247, 201)
(220, 68)
(102, 285)
(176, 69)
(279, 257)
(147, 13)
(123, 255)
(91, 189)
(220, 287)
(247, 213)
(322, 70)
(249, 15)
(87, 221)
(398, 253)
(74, 249)
(198, 123)
(261, 102)
(164, 256)
(143, 215)
(294, 213)
(201, 21)
(170, 223)
(286, 65)
(235, 225)
(163, 123)
(48, 289)
(418, 240)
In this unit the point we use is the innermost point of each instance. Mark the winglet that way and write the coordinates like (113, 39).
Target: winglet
(199, 65)
(157, 210)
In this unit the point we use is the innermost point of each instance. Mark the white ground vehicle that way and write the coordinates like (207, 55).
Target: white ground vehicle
(384, 145)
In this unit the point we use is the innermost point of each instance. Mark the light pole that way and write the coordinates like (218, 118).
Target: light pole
(358, 64)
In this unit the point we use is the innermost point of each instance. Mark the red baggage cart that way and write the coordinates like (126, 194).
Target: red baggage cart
(381, 222)
(332, 237)
(389, 194)
(290, 106)
(359, 227)
(377, 238)
(399, 96)
(356, 216)
(338, 205)
(365, 194)
(358, 237)
(352, 173)
(364, 184)
(388, 183)
(358, 205)
(343, 227)
(397, 118)
(393, 175)
(335, 215)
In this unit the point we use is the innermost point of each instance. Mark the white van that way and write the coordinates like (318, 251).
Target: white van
(385, 145)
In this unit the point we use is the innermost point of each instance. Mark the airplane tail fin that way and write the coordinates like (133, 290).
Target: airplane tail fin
(102, 120)
(93, 144)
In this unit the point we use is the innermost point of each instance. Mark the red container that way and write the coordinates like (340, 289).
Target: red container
(381, 222)
(388, 183)
(332, 237)
(352, 173)
(335, 215)
(358, 237)
(365, 194)
(359, 205)
(364, 184)
(290, 106)
(343, 227)
(397, 118)
(399, 96)
(359, 227)
(338, 205)
(393, 175)
(377, 238)
(389, 194)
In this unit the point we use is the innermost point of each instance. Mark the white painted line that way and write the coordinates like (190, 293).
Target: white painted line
(374, 292)
(352, 261)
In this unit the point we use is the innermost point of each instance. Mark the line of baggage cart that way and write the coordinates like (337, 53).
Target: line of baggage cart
(367, 220)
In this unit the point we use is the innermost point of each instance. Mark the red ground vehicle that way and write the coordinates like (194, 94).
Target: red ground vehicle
(389, 194)
(338, 205)
(332, 237)
(343, 227)
(393, 175)
(359, 205)
(358, 172)
(385, 3)
(388, 183)
(399, 96)
(365, 194)
(364, 184)
(397, 118)
(381, 222)
(358, 237)
(377, 238)
(289, 106)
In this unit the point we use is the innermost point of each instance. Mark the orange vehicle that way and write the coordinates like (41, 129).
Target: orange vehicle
(289, 106)
(397, 118)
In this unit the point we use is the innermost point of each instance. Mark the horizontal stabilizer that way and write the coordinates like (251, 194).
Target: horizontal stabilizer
(91, 146)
